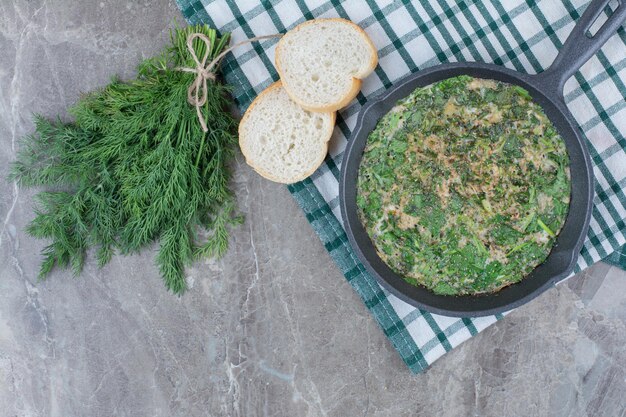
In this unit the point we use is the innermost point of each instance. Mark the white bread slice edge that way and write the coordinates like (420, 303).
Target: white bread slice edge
(349, 94)
(291, 135)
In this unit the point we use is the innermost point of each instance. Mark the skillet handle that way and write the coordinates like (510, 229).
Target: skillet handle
(579, 47)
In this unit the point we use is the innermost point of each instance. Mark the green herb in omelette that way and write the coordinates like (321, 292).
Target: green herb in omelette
(135, 168)
(464, 186)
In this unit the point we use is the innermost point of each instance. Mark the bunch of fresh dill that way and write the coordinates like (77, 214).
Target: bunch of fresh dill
(135, 167)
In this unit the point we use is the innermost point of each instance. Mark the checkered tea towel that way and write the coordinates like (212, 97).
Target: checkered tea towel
(412, 35)
(617, 258)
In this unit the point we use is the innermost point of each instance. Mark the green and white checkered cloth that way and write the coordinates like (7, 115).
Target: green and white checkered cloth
(411, 35)
(617, 258)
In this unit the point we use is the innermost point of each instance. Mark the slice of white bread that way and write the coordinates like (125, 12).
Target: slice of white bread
(282, 141)
(321, 62)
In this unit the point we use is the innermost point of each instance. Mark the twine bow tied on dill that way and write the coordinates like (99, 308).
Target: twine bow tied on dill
(197, 92)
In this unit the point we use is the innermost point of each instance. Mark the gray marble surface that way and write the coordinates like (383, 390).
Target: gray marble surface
(273, 329)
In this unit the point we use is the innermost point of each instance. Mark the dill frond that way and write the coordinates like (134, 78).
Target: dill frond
(135, 167)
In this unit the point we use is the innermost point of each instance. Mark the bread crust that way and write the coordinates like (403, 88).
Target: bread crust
(319, 158)
(356, 81)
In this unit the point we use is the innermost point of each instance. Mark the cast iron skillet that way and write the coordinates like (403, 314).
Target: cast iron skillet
(546, 88)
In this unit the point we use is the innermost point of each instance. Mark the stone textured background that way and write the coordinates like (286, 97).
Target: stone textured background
(272, 329)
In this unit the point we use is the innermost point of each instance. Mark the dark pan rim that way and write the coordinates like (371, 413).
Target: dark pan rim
(562, 259)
